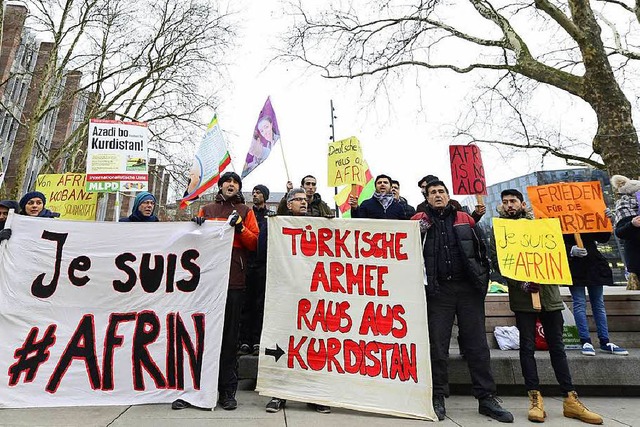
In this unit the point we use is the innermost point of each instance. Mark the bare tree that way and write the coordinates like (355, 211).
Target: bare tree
(149, 61)
(552, 43)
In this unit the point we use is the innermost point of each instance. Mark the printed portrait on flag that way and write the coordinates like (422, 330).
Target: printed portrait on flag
(265, 136)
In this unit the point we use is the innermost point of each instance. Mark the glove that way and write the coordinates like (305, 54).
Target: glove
(578, 252)
(198, 220)
(530, 287)
(5, 234)
(272, 213)
(235, 220)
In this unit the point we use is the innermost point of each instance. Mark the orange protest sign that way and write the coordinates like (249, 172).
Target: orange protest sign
(578, 205)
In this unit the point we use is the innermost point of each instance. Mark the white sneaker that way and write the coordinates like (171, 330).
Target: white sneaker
(588, 350)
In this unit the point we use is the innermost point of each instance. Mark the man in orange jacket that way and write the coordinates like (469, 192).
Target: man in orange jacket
(229, 205)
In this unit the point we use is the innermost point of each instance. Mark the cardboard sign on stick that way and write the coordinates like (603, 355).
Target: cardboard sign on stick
(467, 172)
(532, 251)
(578, 205)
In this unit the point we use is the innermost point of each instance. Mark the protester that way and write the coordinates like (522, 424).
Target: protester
(296, 206)
(143, 209)
(228, 206)
(626, 209)
(409, 210)
(33, 204)
(253, 311)
(457, 279)
(477, 213)
(589, 272)
(382, 205)
(315, 205)
(514, 207)
(5, 207)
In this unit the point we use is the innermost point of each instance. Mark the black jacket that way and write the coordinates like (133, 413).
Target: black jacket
(372, 209)
(630, 236)
(259, 257)
(592, 269)
(472, 260)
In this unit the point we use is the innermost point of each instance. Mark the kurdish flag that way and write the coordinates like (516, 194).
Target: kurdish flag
(364, 192)
(211, 159)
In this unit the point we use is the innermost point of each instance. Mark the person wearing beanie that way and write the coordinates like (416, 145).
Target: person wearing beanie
(457, 270)
(228, 206)
(253, 310)
(5, 207)
(143, 210)
(33, 204)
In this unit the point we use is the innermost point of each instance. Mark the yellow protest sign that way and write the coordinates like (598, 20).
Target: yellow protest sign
(346, 164)
(532, 250)
(66, 194)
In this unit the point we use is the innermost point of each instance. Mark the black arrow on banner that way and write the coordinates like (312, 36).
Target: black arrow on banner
(277, 353)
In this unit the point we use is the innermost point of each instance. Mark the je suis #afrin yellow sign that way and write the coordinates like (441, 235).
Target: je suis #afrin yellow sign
(532, 250)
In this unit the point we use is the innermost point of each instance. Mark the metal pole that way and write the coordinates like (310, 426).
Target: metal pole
(333, 138)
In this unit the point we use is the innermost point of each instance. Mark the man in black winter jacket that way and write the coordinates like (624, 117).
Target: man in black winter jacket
(382, 205)
(457, 279)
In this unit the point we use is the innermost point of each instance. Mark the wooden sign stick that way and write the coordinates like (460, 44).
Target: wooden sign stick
(535, 300)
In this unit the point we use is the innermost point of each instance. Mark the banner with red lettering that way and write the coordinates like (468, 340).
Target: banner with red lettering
(111, 313)
(467, 171)
(579, 206)
(345, 319)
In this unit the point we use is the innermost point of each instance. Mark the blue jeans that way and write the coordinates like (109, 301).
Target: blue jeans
(579, 296)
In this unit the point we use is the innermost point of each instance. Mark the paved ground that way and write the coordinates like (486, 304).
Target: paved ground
(462, 411)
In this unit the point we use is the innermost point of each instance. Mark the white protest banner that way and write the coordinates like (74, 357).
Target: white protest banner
(117, 156)
(345, 319)
(111, 314)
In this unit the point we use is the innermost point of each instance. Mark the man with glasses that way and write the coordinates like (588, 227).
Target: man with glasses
(315, 205)
(296, 206)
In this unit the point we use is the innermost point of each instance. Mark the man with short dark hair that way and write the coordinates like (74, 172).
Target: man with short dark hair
(382, 205)
(457, 279)
(315, 205)
(514, 207)
(409, 210)
(477, 213)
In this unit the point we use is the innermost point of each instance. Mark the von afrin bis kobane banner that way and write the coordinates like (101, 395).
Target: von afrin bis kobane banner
(111, 314)
(66, 194)
(345, 316)
(532, 250)
(578, 205)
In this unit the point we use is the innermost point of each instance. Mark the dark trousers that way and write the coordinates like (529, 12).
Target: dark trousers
(459, 299)
(228, 375)
(253, 311)
(552, 323)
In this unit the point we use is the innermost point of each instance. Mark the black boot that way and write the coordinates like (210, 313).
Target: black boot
(227, 400)
(490, 406)
(438, 406)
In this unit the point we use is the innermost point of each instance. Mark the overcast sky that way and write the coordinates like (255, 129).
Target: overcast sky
(405, 137)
